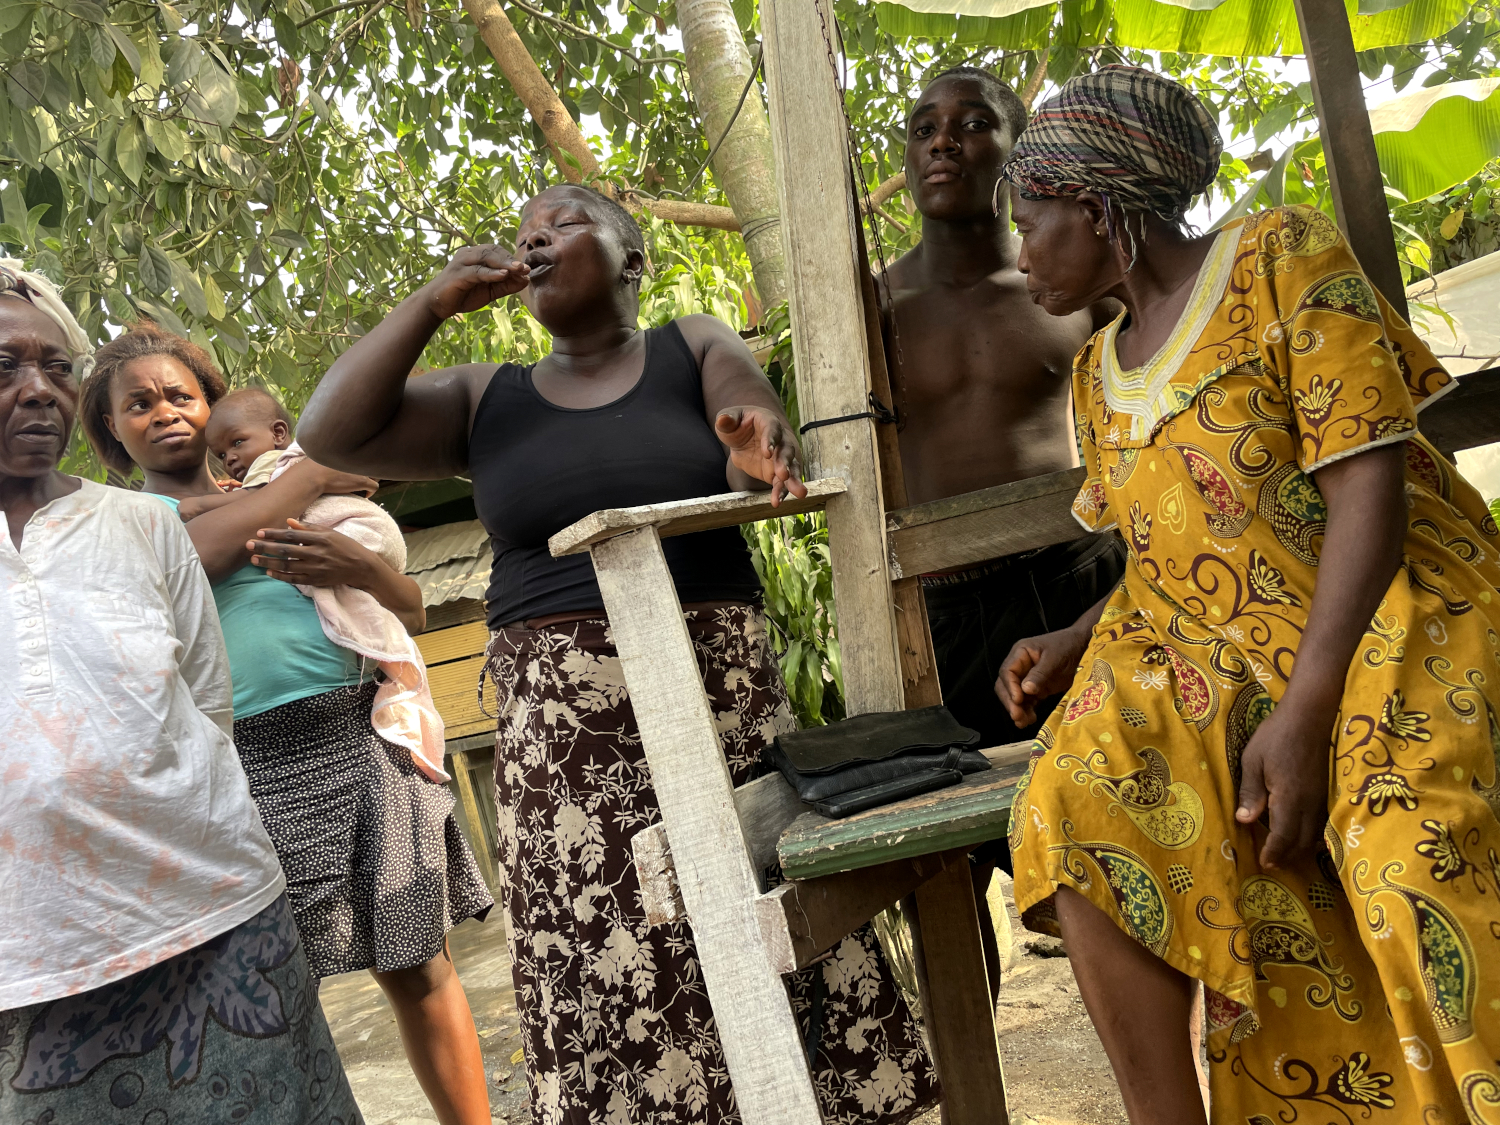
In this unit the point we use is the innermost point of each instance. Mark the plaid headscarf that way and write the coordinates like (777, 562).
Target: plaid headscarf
(1142, 140)
(33, 287)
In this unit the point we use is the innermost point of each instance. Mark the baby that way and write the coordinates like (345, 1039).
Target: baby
(248, 430)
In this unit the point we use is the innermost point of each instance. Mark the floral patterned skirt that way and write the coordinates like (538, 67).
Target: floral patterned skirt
(616, 1023)
(230, 1030)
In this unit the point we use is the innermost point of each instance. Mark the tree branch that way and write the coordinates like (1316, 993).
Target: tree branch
(532, 87)
(887, 188)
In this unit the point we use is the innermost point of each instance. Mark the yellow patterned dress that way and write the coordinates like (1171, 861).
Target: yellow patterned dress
(1363, 986)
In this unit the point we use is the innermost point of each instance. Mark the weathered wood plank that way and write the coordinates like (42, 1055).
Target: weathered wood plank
(682, 517)
(453, 687)
(987, 524)
(460, 611)
(454, 643)
(819, 913)
(762, 1042)
(1354, 178)
(464, 782)
(828, 335)
(976, 809)
(1466, 416)
(956, 998)
(766, 807)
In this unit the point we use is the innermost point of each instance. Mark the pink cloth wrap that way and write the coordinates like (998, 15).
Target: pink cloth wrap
(404, 712)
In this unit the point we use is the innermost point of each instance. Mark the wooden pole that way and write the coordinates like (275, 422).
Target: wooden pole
(1349, 145)
(828, 336)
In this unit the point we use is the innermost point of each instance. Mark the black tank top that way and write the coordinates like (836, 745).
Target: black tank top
(538, 467)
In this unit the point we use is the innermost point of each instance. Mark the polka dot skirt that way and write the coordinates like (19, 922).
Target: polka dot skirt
(377, 868)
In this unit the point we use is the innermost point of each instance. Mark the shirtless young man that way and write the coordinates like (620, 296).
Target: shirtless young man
(982, 386)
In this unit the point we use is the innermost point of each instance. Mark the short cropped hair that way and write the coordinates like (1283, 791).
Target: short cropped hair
(143, 339)
(260, 404)
(615, 217)
(1004, 100)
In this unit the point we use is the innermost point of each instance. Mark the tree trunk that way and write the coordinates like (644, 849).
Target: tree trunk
(532, 87)
(719, 65)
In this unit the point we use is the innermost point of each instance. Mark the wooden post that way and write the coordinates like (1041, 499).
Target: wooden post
(762, 1043)
(828, 336)
(956, 997)
(1349, 145)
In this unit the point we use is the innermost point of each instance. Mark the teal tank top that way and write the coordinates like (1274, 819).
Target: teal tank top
(278, 652)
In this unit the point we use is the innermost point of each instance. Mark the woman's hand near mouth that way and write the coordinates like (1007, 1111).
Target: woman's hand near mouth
(476, 276)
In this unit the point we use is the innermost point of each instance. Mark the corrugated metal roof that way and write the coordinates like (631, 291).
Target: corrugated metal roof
(432, 546)
(449, 581)
(449, 562)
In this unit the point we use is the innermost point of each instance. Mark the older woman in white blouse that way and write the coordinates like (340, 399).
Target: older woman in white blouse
(139, 893)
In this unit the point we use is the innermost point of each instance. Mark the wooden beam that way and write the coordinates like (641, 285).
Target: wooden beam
(828, 335)
(766, 807)
(1466, 416)
(987, 524)
(817, 914)
(962, 815)
(762, 1042)
(919, 678)
(1349, 145)
(682, 517)
(956, 999)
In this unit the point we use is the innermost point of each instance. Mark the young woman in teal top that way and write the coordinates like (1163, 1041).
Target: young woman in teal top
(377, 869)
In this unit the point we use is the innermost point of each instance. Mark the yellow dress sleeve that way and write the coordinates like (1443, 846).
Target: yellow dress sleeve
(1091, 507)
(1352, 370)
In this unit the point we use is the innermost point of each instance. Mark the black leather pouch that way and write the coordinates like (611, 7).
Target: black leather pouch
(874, 759)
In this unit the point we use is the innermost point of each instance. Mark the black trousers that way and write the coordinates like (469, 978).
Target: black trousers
(976, 616)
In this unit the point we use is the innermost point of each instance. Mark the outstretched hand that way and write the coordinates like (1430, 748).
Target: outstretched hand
(476, 276)
(1285, 770)
(1038, 668)
(761, 445)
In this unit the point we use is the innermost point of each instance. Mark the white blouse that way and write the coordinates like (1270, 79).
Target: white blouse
(127, 832)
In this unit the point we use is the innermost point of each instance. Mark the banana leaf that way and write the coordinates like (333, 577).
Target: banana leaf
(1207, 27)
(1431, 139)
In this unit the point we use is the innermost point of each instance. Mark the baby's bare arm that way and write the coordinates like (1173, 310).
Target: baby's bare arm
(195, 506)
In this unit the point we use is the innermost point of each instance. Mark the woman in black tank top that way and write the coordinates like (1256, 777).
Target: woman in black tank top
(616, 1023)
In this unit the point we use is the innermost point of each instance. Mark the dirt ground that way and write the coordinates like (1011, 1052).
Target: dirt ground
(1055, 1069)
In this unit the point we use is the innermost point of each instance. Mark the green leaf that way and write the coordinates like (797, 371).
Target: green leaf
(214, 96)
(151, 69)
(155, 270)
(26, 138)
(213, 296)
(185, 281)
(11, 235)
(130, 150)
(289, 239)
(45, 197)
(86, 10)
(163, 316)
(232, 335)
(101, 47)
(170, 140)
(126, 48)
(184, 60)
(283, 370)
(26, 83)
(1432, 139)
(12, 14)
(119, 306)
(169, 16)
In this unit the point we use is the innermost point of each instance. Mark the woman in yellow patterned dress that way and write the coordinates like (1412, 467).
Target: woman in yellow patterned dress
(1275, 771)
